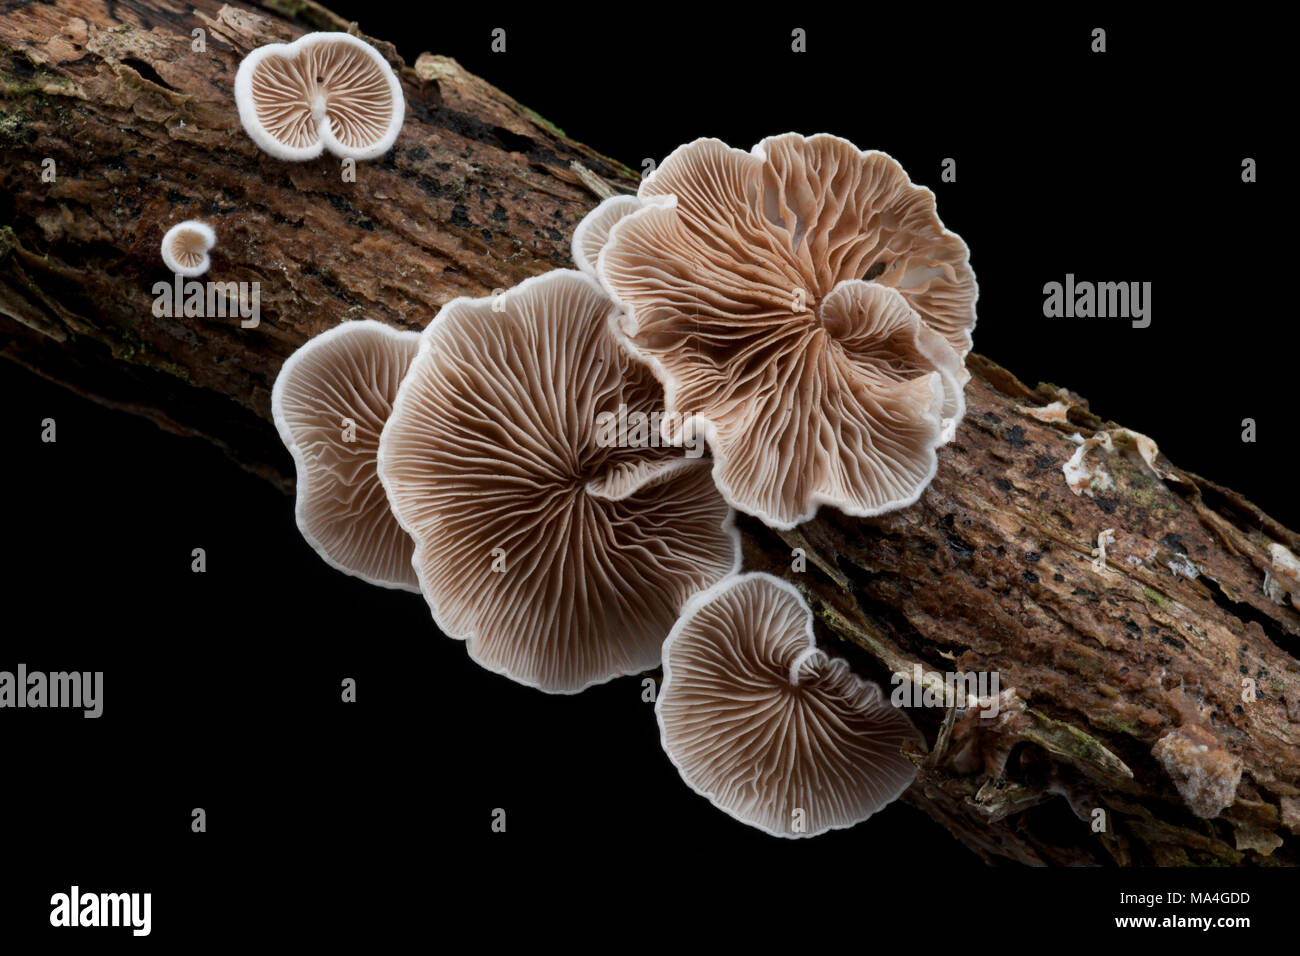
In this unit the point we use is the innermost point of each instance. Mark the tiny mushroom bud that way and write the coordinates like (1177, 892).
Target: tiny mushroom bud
(771, 729)
(558, 549)
(804, 305)
(323, 91)
(330, 402)
(185, 247)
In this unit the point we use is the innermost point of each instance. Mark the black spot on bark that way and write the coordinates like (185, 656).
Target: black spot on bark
(22, 66)
(956, 543)
(147, 72)
(1174, 542)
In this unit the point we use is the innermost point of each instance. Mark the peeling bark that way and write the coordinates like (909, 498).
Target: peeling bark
(992, 571)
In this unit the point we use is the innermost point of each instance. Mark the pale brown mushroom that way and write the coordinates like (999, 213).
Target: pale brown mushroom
(330, 402)
(323, 91)
(562, 561)
(185, 247)
(806, 311)
(592, 233)
(769, 728)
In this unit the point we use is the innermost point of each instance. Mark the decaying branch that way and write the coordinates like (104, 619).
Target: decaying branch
(1148, 697)
(994, 572)
(142, 129)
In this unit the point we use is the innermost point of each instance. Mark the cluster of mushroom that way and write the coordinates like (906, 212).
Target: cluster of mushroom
(324, 91)
(800, 306)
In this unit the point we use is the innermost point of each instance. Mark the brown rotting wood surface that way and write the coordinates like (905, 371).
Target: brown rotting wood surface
(992, 570)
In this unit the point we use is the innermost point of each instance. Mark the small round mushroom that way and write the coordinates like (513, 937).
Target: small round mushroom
(768, 727)
(330, 402)
(560, 558)
(806, 311)
(185, 247)
(322, 91)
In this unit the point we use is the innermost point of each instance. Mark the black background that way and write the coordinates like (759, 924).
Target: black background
(222, 689)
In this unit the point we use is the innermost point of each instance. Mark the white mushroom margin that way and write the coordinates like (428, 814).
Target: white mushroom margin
(340, 507)
(322, 91)
(857, 773)
(887, 472)
(185, 248)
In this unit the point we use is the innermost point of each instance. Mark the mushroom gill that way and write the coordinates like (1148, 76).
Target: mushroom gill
(323, 91)
(185, 247)
(769, 728)
(804, 306)
(561, 559)
(330, 402)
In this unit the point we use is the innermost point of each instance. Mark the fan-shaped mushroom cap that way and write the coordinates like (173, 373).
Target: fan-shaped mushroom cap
(764, 724)
(322, 91)
(787, 299)
(349, 374)
(593, 232)
(562, 563)
(185, 247)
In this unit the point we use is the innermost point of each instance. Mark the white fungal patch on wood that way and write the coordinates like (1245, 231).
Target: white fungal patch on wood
(1099, 552)
(1204, 773)
(1055, 413)
(1283, 580)
(1085, 478)
(1141, 449)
